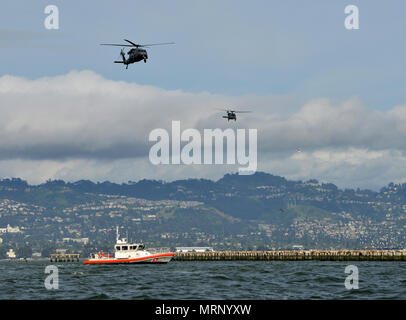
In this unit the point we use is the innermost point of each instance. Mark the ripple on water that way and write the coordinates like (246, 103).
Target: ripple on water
(100, 296)
(205, 280)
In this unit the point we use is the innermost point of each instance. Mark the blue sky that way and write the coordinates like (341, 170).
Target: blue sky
(297, 48)
(339, 95)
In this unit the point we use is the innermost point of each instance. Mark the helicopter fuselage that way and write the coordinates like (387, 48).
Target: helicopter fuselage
(136, 55)
(230, 116)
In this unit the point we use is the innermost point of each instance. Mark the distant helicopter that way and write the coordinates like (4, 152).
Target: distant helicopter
(136, 54)
(231, 114)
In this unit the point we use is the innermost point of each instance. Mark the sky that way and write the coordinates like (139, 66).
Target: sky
(68, 112)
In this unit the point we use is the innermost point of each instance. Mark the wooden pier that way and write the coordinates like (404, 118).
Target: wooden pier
(299, 255)
(68, 257)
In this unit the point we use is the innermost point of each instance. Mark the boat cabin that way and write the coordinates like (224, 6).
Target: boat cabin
(129, 247)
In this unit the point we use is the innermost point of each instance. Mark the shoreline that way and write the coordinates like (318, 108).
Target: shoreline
(277, 255)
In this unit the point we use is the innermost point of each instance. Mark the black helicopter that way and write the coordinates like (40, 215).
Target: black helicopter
(231, 114)
(136, 54)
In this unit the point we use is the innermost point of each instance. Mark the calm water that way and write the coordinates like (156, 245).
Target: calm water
(204, 280)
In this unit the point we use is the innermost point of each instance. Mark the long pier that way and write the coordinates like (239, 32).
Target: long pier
(297, 255)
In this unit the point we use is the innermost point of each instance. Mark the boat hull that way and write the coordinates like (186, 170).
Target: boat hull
(152, 259)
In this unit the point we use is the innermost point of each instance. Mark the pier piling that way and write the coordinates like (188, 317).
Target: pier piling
(69, 257)
(300, 255)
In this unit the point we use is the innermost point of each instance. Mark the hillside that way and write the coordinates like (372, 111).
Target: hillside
(261, 210)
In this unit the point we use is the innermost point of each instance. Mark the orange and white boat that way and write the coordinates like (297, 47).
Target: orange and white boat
(125, 252)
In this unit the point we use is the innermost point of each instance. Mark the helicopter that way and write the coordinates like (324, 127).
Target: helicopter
(136, 54)
(231, 114)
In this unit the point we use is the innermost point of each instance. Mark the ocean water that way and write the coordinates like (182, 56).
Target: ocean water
(235, 280)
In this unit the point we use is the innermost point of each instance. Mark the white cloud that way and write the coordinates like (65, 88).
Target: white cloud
(83, 126)
(345, 167)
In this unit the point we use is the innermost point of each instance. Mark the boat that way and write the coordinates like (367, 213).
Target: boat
(125, 253)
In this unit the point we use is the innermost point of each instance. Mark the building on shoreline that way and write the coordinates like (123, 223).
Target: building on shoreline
(10, 229)
(11, 254)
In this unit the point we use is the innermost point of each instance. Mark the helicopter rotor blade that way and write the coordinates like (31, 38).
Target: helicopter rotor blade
(157, 44)
(234, 111)
(116, 45)
(148, 45)
(133, 44)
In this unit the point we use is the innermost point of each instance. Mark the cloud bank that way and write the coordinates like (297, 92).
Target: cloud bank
(81, 125)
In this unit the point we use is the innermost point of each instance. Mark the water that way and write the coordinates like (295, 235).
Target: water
(204, 280)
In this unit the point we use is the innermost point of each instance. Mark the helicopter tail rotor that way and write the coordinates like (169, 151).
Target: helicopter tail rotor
(123, 57)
